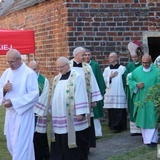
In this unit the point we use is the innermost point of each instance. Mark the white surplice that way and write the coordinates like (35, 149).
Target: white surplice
(95, 92)
(58, 105)
(115, 96)
(19, 119)
(41, 109)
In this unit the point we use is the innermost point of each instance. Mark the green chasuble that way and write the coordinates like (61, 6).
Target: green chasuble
(41, 80)
(129, 68)
(144, 112)
(98, 110)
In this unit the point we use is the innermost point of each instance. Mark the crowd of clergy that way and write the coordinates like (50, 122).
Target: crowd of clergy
(79, 97)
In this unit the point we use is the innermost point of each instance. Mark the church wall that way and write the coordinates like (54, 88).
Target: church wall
(48, 20)
(102, 26)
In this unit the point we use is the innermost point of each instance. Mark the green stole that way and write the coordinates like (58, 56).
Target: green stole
(41, 80)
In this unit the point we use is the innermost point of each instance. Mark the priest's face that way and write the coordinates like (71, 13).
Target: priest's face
(33, 65)
(63, 68)
(146, 61)
(135, 58)
(80, 57)
(87, 57)
(113, 58)
(13, 60)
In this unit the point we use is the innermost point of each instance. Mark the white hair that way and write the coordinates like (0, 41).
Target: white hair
(78, 50)
(63, 59)
(113, 53)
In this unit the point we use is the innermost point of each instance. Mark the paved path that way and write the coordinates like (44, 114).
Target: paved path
(118, 144)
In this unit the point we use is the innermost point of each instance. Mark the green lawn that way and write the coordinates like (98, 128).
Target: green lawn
(142, 153)
(4, 154)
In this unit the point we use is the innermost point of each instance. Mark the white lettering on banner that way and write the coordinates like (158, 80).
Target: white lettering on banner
(5, 47)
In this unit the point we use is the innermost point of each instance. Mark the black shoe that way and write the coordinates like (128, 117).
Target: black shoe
(152, 145)
(136, 134)
(149, 145)
(88, 152)
(116, 131)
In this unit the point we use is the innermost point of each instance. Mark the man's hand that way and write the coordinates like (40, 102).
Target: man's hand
(140, 85)
(80, 117)
(7, 87)
(113, 74)
(94, 104)
(7, 103)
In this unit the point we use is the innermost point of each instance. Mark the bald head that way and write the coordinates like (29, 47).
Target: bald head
(13, 53)
(113, 58)
(13, 58)
(147, 56)
(146, 60)
(62, 65)
(34, 65)
(62, 60)
(113, 54)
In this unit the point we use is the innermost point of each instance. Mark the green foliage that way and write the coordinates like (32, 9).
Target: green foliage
(154, 96)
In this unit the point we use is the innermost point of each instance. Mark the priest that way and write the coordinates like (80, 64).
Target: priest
(40, 140)
(19, 92)
(69, 110)
(98, 109)
(144, 113)
(115, 98)
(92, 89)
(135, 54)
(157, 61)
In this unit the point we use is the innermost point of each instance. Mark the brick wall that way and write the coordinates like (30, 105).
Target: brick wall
(48, 20)
(102, 26)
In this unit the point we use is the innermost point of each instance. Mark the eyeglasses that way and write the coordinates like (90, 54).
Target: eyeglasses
(12, 62)
(61, 67)
(146, 62)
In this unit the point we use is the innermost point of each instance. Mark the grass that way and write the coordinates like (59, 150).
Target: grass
(141, 153)
(106, 131)
(4, 154)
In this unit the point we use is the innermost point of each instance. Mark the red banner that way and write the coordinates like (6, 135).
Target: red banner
(22, 40)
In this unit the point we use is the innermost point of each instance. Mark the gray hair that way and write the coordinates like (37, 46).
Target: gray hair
(63, 59)
(78, 50)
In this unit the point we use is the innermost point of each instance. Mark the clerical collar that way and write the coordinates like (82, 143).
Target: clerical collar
(147, 69)
(76, 64)
(114, 66)
(65, 76)
(136, 63)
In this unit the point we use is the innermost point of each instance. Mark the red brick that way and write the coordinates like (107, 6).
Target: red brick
(60, 25)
